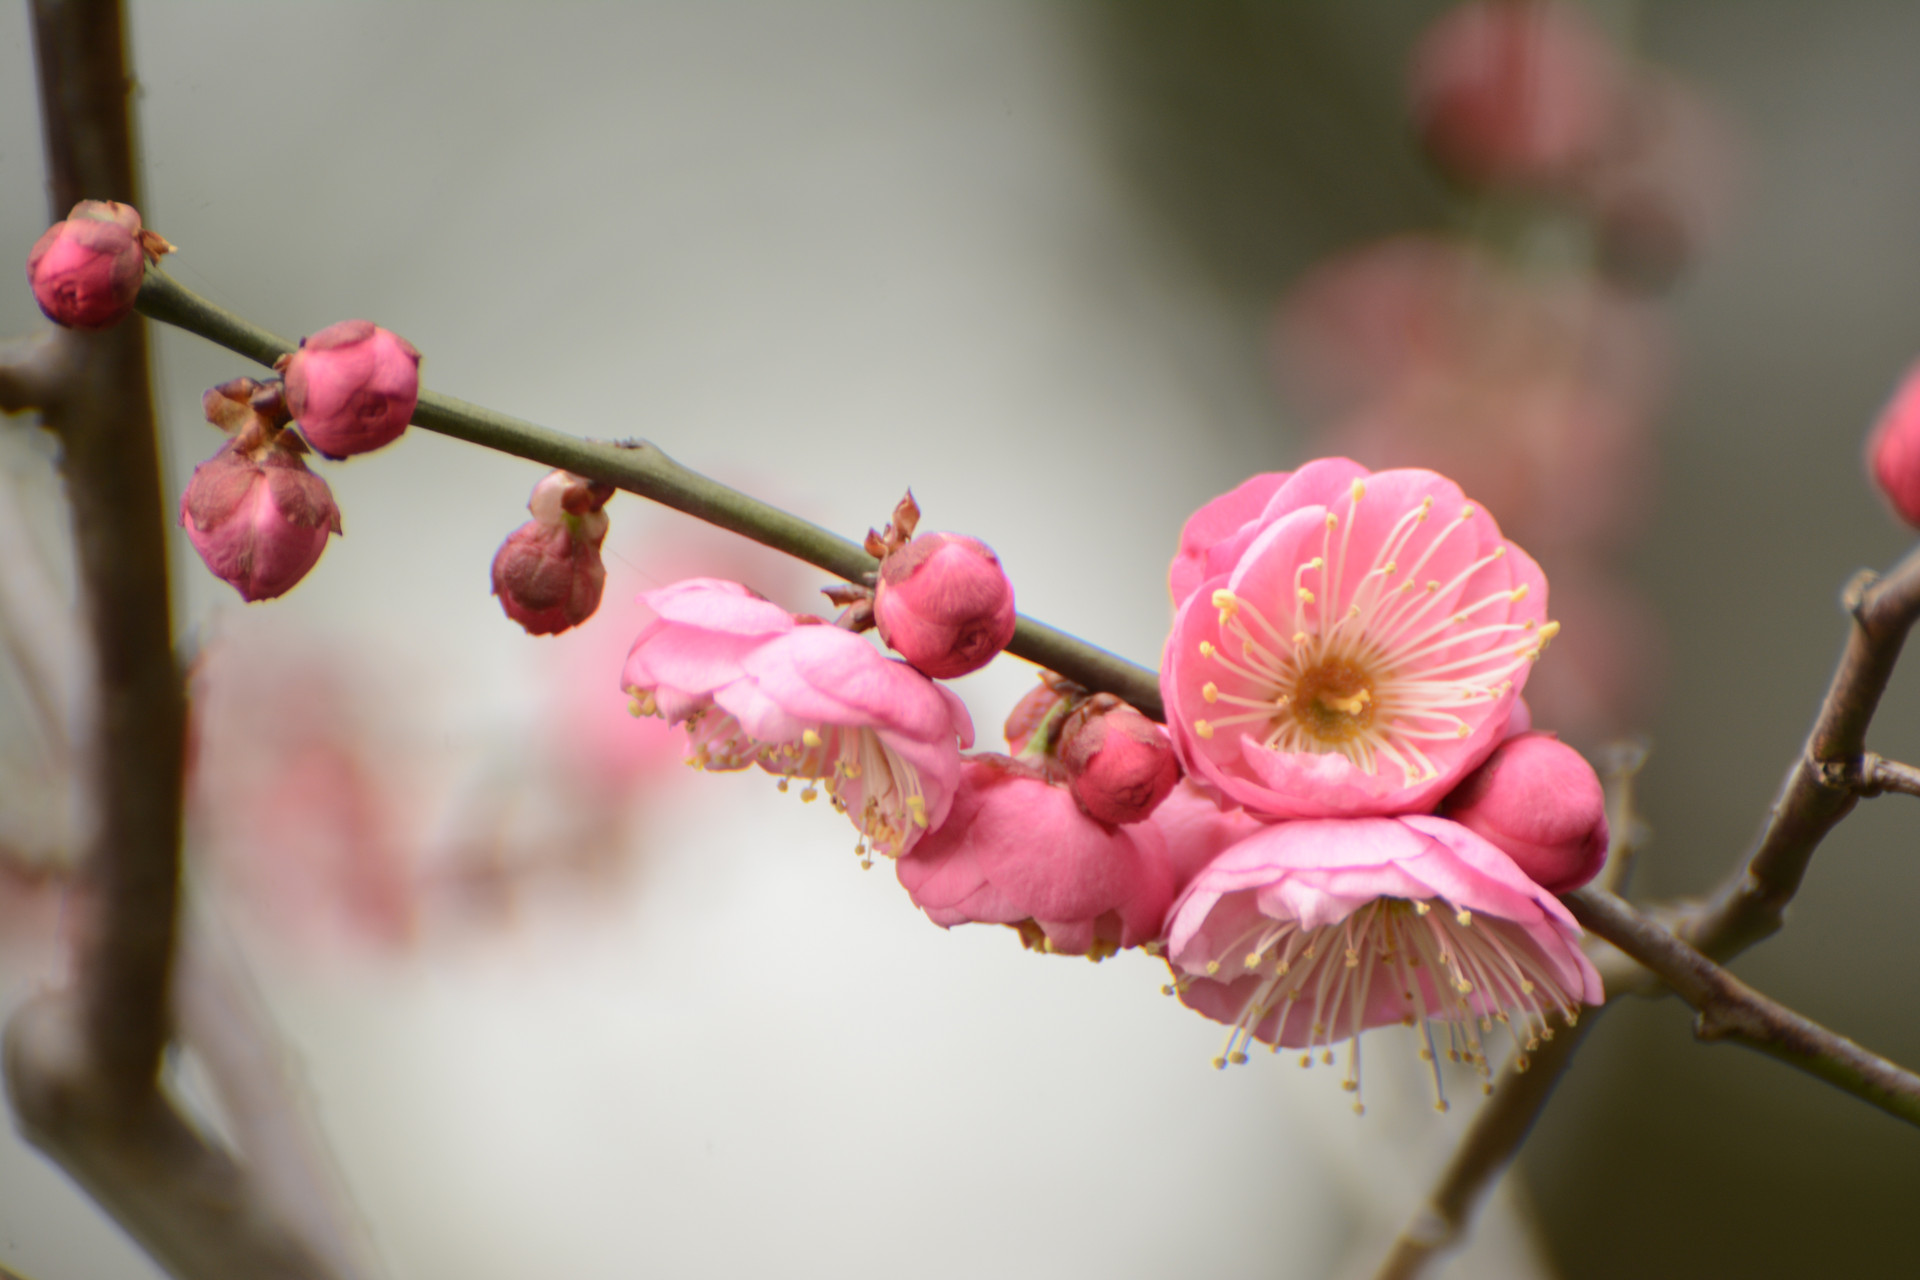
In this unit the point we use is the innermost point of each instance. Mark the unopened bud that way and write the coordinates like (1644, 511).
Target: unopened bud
(1120, 765)
(1893, 449)
(548, 573)
(352, 386)
(257, 516)
(1538, 801)
(1517, 92)
(944, 604)
(86, 271)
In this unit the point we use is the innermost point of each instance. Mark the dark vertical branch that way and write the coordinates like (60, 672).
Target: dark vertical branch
(104, 416)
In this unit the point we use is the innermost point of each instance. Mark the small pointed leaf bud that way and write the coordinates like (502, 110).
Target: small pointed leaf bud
(257, 516)
(352, 386)
(548, 573)
(1893, 449)
(1120, 765)
(86, 271)
(944, 604)
(1538, 801)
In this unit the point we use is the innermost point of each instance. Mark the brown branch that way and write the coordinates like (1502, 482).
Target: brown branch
(1820, 790)
(1731, 1010)
(82, 1066)
(1485, 1150)
(30, 368)
(1879, 774)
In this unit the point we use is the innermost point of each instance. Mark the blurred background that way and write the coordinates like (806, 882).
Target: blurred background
(1639, 276)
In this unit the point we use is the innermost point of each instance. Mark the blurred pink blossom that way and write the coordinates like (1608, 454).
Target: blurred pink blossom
(1893, 449)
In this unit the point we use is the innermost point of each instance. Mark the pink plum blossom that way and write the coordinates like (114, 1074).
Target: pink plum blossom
(703, 630)
(1308, 933)
(353, 387)
(1120, 765)
(1358, 647)
(87, 270)
(1539, 802)
(548, 573)
(1198, 827)
(944, 604)
(822, 705)
(1893, 449)
(1016, 850)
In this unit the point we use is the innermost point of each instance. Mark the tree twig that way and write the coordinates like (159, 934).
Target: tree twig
(1485, 1150)
(1819, 791)
(641, 468)
(1879, 774)
(1731, 1010)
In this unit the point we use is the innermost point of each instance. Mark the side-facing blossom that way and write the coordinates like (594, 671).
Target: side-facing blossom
(822, 705)
(1308, 933)
(353, 387)
(1355, 645)
(1017, 850)
(703, 630)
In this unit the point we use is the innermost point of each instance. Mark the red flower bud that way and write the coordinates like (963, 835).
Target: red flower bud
(1893, 449)
(1120, 765)
(1522, 92)
(256, 515)
(1538, 801)
(944, 604)
(352, 386)
(86, 271)
(548, 573)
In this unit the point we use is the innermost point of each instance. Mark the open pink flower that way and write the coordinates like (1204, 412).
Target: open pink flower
(1198, 828)
(704, 630)
(1308, 933)
(1358, 646)
(823, 705)
(1017, 850)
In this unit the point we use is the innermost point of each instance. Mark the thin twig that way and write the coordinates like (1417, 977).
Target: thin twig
(1819, 791)
(1731, 1010)
(1879, 774)
(641, 468)
(1485, 1150)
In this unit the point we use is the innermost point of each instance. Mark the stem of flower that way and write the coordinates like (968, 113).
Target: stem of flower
(641, 468)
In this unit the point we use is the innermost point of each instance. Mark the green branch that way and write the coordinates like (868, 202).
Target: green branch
(640, 468)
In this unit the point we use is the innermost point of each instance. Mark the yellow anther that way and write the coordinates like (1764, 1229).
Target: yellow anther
(1499, 551)
(1347, 706)
(1333, 521)
(1318, 562)
(1466, 512)
(1306, 1060)
(1306, 596)
(1213, 967)
(1462, 732)
(1219, 1064)
(917, 806)
(1440, 1104)
(1390, 567)
(1253, 959)
(1207, 650)
(1421, 908)
(1519, 592)
(778, 786)
(1202, 728)
(810, 795)
(1548, 632)
(1280, 969)
(1237, 1058)
(1358, 491)
(811, 738)
(1299, 639)
(1210, 691)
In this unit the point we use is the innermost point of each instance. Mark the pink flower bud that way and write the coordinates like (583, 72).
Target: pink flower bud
(1120, 765)
(1893, 450)
(257, 516)
(548, 573)
(86, 271)
(353, 387)
(1522, 92)
(944, 604)
(1539, 802)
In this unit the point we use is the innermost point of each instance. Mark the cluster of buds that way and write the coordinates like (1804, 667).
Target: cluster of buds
(86, 271)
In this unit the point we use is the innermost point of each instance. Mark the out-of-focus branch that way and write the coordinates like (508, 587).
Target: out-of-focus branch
(1485, 1150)
(640, 468)
(82, 1065)
(1731, 1010)
(30, 367)
(1821, 789)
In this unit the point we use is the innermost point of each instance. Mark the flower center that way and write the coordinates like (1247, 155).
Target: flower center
(1332, 702)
